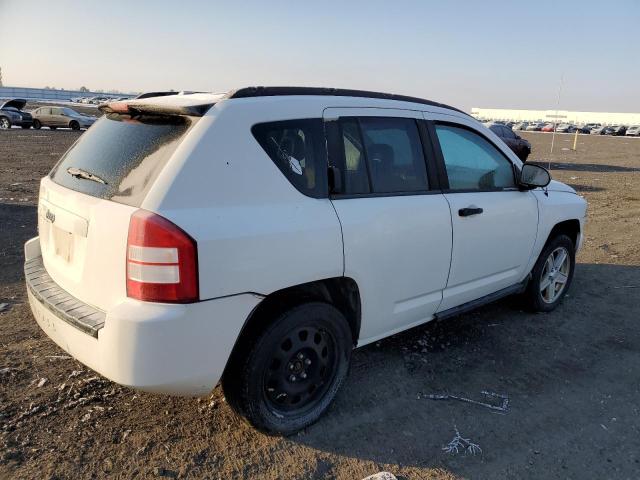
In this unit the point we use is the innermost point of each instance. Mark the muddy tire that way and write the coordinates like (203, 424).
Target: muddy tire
(293, 369)
(552, 274)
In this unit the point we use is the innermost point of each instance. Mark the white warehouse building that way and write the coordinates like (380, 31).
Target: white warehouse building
(559, 116)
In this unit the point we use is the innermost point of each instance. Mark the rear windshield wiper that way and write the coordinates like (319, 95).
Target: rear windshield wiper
(79, 173)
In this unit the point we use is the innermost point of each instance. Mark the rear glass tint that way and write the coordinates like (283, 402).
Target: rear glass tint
(125, 153)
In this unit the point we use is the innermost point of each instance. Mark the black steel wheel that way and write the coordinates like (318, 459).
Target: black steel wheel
(293, 371)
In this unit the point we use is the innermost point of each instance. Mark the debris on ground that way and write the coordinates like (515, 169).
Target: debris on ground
(381, 476)
(460, 444)
(70, 395)
(502, 408)
(4, 307)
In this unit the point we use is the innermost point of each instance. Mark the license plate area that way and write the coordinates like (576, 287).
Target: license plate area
(62, 243)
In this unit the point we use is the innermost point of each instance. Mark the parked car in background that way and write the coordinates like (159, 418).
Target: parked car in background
(548, 127)
(98, 100)
(586, 128)
(60, 117)
(11, 114)
(633, 131)
(520, 146)
(599, 130)
(566, 128)
(617, 130)
(520, 126)
(534, 127)
(146, 270)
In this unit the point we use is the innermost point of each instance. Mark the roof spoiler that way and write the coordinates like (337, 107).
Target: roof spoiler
(144, 107)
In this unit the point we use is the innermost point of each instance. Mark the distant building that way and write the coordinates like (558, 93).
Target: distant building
(559, 116)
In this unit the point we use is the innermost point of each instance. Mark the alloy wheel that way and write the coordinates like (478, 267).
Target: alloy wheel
(555, 275)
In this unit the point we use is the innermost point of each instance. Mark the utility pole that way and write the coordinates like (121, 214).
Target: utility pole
(0, 76)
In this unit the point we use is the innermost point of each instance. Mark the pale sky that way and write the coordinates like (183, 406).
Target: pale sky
(500, 54)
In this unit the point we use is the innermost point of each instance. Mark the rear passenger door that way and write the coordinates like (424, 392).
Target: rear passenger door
(396, 224)
(57, 120)
(494, 222)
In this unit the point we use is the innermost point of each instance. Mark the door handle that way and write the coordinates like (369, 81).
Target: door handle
(467, 212)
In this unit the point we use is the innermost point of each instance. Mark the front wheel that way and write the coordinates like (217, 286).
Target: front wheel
(552, 274)
(293, 370)
(5, 123)
(74, 125)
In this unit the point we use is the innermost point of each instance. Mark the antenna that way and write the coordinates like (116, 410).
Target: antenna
(555, 120)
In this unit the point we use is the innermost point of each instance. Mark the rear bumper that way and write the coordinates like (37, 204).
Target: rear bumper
(161, 348)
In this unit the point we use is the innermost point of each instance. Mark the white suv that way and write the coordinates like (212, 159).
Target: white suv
(257, 237)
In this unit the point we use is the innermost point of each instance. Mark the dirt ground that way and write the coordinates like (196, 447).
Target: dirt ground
(572, 377)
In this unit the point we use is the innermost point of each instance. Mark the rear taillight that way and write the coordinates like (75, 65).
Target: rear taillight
(162, 261)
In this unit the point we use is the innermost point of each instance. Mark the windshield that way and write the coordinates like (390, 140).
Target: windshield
(126, 153)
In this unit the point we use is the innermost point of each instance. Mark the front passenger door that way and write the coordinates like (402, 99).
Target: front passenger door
(494, 223)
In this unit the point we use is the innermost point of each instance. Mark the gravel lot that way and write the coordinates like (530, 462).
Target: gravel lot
(572, 376)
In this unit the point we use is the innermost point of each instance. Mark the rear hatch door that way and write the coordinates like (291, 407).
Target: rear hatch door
(87, 200)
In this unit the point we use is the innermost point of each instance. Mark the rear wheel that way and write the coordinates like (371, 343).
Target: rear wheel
(5, 123)
(74, 125)
(293, 370)
(37, 125)
(552, 274)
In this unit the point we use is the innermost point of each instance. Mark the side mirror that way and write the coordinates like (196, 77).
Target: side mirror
(534, 176)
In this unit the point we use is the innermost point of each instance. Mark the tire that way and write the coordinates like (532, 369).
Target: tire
(540, 299)
(292, 371)
(74, 125)
(37, 125)
(5, 123)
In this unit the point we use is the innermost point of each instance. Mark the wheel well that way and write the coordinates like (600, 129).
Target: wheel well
(341, 292)
(570, 228)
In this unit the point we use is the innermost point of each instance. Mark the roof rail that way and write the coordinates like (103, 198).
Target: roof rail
(249, 92)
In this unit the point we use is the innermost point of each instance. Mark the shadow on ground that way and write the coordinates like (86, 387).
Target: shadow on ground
(567, 375)
(586, 167)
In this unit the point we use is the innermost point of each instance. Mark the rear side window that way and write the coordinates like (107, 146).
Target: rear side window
(394, 153)
(472, 163)
(381, 155)
(124, 156)
(298, 149)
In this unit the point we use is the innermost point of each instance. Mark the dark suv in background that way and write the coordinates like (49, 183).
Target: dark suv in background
(519, 145)
(11, 114)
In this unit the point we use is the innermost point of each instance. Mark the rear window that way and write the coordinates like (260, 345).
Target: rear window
(125, 153)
